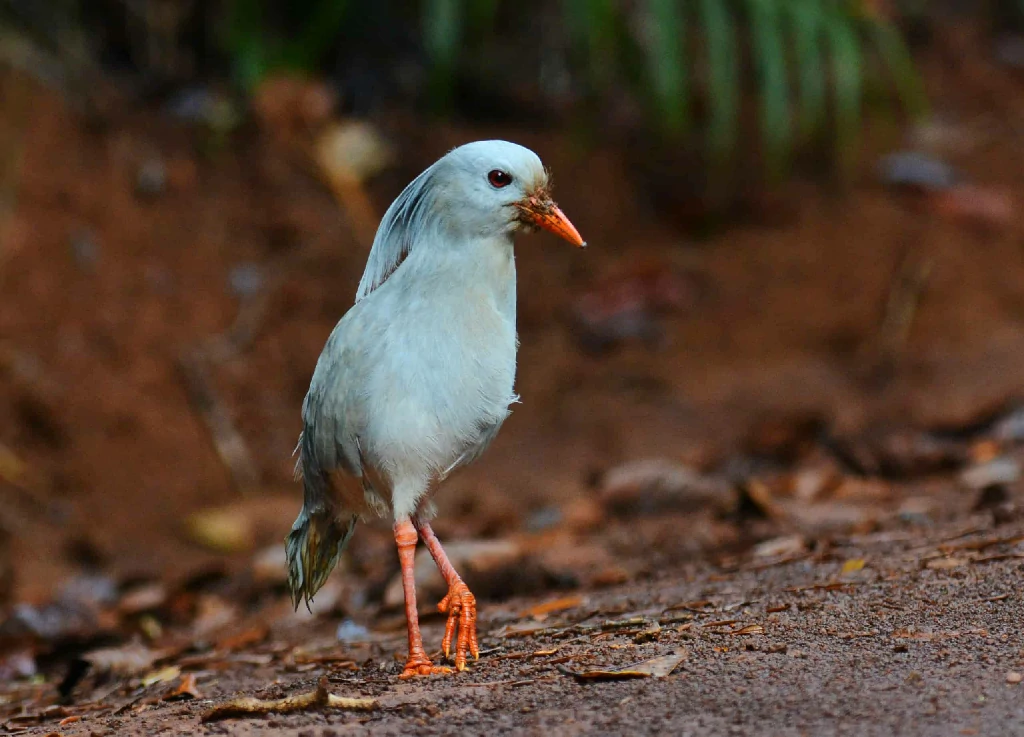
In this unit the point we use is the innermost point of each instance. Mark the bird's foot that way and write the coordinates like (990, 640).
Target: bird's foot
(420, 665)
(460, 604)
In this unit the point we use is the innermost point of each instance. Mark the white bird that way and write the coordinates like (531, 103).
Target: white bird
(417, 377)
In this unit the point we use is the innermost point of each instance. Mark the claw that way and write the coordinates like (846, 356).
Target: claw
(460, 605)
(422, 667)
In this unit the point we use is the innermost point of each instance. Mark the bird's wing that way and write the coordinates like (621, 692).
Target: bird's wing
(336, 481)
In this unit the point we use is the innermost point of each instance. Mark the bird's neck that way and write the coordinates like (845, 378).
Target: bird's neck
(480, 264)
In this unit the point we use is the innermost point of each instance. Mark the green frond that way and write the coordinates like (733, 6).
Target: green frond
(896, 57)
(845, 52)
(442, 34)
(665, 52)
(805, 21)
(722, 52)
(808, 61)
(769, 59)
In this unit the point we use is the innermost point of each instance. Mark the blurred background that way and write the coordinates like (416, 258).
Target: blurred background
(800, 314)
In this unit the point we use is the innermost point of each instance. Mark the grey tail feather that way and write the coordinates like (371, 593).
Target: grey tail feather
(313, 548)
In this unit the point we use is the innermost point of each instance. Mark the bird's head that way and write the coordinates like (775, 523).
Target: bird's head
(492, 187)
(482, 190)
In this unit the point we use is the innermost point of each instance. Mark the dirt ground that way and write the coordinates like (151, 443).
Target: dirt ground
(829, 536)
(922, 640)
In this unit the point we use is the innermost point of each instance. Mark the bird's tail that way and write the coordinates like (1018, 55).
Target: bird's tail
(313, 548)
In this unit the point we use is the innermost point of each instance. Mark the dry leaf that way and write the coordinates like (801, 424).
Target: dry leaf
(520, 629)
(655, 668)
(353, 151)
(186, 689)
(251, 636)
(223, 530)
(12, 469)
(557, 605)
(160, 676)
(143, 599)
(943, 564)
(853, 565)
(720, 623)
(129, 660)
(212, 614)
(781, 547)
(651, 633)
(654, 485)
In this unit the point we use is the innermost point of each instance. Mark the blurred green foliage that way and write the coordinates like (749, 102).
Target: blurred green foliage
(805, 62)
(263, 37)
(700, 70)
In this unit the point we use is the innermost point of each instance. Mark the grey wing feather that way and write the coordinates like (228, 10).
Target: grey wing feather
(327, 445)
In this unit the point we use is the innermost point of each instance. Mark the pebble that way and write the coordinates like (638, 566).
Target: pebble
(1014, 677)
(1009, 50)
(543, 519)
(86, 250)
(914, 169)
(151, 179)
(246, 280)
(997, 472)
(349, 631)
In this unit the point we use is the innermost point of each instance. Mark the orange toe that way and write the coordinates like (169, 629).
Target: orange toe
(422, 667)
(460, 604)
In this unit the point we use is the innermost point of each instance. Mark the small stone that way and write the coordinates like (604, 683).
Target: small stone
(349, 631)
(246, 280)
(151, 179)
(1009, 50)
(916, 170)
(543, 519)
(901, 648)
(997, 472)
(85, 250)
(1013, 677)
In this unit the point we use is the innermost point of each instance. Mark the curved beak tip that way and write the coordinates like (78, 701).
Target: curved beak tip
(547, 215)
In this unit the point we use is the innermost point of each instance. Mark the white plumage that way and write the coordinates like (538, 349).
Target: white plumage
(417, 378)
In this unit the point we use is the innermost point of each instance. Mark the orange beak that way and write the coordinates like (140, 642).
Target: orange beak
(542, 212)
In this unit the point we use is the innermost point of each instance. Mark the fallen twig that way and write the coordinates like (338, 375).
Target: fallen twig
(320, 698)
(230, 445)
(906, 291)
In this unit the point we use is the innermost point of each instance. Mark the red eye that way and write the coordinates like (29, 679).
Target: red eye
(499, 179)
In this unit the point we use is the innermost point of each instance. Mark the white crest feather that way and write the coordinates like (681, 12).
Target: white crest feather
(396, 235)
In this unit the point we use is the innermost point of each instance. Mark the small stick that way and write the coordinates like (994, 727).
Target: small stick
(318, 699)
(904, 299)
(229, 443)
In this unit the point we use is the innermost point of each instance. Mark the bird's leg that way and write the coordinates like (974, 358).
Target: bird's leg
(460, 604)
(418, 664)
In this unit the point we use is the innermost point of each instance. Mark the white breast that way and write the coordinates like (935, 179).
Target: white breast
(444, 368)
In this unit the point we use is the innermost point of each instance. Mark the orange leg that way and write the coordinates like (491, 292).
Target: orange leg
(460, 604)
(418, 664)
